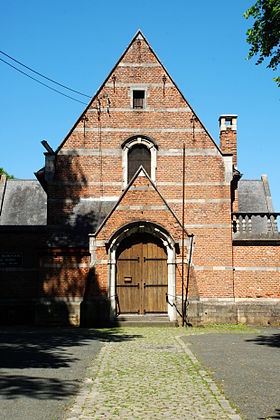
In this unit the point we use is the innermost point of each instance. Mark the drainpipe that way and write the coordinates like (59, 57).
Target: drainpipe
(188, 275)
(183, 233)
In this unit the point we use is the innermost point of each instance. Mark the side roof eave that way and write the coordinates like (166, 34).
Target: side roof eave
(109, 75)
(125, 191)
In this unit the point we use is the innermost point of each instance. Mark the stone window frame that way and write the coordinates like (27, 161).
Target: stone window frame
(128, 145)
(142, 88)
(139, 102)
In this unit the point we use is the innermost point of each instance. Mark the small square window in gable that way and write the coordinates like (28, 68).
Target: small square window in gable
(138, 99)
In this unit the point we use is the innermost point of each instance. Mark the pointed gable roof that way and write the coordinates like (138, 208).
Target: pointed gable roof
(138, 35)
(140, 172)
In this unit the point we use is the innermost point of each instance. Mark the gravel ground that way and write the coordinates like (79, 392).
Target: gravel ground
(246, 366)
(41, 370)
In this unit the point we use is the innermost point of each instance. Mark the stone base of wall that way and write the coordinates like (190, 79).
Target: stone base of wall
(58, 312)
(265, 312)
(72, 312)
(17, 312)
(96, 312)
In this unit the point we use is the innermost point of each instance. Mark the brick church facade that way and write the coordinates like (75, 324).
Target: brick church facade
(139, 213)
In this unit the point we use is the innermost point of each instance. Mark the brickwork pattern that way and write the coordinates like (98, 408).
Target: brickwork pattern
(89, 166)
(90, 159)
(63, 275)
(228, 143)
(257, 271)
(21, 282)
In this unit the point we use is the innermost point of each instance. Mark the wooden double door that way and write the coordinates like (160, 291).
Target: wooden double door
(142, 280)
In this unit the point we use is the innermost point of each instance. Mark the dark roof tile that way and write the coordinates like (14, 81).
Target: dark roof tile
(24, 202)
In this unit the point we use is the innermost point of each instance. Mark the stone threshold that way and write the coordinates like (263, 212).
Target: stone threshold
(155, 320)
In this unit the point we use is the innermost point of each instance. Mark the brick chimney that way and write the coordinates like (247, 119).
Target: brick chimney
(228, 137)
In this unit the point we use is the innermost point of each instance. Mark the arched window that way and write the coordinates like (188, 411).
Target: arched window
(138, 155)
(136, 151)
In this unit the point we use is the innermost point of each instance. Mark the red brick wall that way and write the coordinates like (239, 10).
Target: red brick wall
(21, 282)
(257, 271)
(228, 143)
(168, 120)
(63, 275)
(89, 165)
(126, 213)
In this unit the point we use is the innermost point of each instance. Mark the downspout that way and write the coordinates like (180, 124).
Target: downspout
(188, 275)
(183, 233)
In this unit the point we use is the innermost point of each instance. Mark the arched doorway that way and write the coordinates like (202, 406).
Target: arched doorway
(141, 275)
(123, 243)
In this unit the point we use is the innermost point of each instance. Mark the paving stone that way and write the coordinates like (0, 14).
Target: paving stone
(150, 375)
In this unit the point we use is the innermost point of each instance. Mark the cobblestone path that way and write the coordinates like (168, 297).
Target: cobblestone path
(149, 373)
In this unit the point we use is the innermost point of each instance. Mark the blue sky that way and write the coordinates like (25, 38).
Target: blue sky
(202, 45)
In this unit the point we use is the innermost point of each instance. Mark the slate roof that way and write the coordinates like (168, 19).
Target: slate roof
(253, 197)
(22, 202)
(86, 218)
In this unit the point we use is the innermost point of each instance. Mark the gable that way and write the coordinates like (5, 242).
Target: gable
(140, 201)
(92, 162)
(111, 109)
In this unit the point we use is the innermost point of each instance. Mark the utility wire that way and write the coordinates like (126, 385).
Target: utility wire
(41, 83)
(45, 77)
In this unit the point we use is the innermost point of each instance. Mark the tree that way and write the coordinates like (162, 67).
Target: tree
(2, 172)
(264, 35)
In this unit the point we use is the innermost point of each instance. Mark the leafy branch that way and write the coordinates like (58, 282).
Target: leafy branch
(264, 36)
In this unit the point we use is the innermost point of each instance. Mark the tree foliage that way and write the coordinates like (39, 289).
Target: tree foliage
(264, 36)
(2, 172)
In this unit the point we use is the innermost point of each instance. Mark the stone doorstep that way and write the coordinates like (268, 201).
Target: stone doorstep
(155, 320)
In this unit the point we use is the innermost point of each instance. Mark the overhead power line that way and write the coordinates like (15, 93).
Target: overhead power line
(41, 83)
(45, 77)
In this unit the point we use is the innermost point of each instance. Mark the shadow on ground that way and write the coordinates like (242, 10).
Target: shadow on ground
(275, 416)
(49, 348)
(31, 359)
(14, 386)
(266, 340)
(46, 348)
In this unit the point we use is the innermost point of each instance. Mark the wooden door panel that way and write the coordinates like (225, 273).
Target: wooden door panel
(142, 276)
(154, 278)
(128, 279)
(128, 285)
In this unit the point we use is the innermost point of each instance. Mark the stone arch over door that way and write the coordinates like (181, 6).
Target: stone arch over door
(166, 241)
